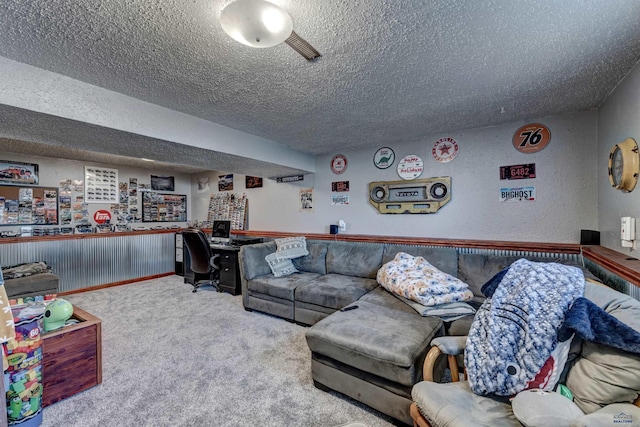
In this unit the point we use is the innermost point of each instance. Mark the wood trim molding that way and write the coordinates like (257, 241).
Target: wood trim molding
(624, 266)
(564, 248)
(85, 236)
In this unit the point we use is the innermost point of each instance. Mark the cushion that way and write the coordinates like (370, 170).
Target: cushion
(280, 287)
(334, 290)
(455, 405)
(617, 414)
(538, 408)
(380, 340)
(316, 261)
(280, 266)
(291, 247)
(416, 279)
(33, 285)
(251, 258)
(354, 259)
(602, 375)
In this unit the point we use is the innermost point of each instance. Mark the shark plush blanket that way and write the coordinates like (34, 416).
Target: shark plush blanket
(515, 331)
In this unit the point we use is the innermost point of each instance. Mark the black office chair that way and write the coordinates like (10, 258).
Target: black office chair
(201, 261)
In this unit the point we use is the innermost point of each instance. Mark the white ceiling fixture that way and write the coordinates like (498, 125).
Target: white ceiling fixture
(261, 24)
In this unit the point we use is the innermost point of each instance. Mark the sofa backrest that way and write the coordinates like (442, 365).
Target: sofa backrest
(354, 258)
(316, 261)
(476, 269)
(252, 259)
(444, 259)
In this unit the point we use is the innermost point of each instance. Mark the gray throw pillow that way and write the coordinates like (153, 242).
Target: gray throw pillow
(280, 266)
(291, 247)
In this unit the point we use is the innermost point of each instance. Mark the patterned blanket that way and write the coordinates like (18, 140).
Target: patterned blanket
(415, 279)
(514, 334)
(23, 270)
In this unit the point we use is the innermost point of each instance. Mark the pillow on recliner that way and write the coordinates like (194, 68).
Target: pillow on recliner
(538, 408)
(603, 375)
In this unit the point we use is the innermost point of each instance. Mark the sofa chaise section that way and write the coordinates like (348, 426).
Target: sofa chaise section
(351, 273)
(373, 353)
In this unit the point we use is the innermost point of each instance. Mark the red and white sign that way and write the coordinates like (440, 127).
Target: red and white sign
(531, 138)
(338, 164)
(445, 150)
(410, 167)
(102, 216)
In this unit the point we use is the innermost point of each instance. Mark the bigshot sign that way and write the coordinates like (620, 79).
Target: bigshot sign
(517, 194)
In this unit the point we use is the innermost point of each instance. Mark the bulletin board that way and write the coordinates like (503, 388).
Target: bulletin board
(163, 207)
(28, 205)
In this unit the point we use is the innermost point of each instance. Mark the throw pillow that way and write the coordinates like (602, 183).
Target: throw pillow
(538, 408)
(280, 266)
(292, 247)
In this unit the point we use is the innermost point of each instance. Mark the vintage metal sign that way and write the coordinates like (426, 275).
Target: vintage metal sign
(339, 164)
(445, 150)
(410, 167)
(292, 178)
(527, 171)
(384, 158)
(340, 186)
(531, 138)
(517, 194)
(416, 197)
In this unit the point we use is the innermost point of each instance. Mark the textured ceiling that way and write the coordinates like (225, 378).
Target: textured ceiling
(391, 71)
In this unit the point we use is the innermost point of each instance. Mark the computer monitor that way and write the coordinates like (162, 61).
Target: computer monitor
(220, 232)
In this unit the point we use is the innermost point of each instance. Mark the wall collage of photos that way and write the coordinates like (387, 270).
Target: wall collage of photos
(24, 204)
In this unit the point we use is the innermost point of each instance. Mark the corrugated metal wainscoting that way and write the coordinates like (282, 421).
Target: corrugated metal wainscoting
(87, 261)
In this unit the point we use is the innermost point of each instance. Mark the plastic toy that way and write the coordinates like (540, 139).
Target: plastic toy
(57, 313)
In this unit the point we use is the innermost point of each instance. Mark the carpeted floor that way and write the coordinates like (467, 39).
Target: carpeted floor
(175, 358)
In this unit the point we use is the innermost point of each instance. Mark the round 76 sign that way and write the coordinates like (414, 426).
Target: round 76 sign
(531, 138)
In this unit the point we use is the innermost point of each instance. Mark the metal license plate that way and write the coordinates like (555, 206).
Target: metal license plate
(518, 171)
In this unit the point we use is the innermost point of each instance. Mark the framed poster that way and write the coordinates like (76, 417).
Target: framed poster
(163, 207)
(18, 173)
(253, 182)
(225, 182)
(100, 185)
(163, 183)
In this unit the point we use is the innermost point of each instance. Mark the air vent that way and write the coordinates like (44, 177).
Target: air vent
(302, 47)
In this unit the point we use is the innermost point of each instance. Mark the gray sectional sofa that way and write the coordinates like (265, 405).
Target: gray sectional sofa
(375, 352)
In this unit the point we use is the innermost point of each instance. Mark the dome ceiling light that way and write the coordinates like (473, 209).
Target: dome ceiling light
(261, 24)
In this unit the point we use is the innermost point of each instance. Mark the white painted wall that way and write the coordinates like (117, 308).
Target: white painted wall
(568, 172)
(618, 119)
(566, 189)
(52, 171)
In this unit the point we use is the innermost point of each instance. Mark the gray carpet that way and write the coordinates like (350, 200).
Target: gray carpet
(175, 358)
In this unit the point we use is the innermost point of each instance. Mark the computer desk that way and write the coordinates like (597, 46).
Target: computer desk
(229, 269)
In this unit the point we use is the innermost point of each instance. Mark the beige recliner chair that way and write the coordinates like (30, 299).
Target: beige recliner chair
(605, 383)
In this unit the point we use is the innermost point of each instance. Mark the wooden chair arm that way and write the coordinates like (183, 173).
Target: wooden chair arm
(430, 362)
